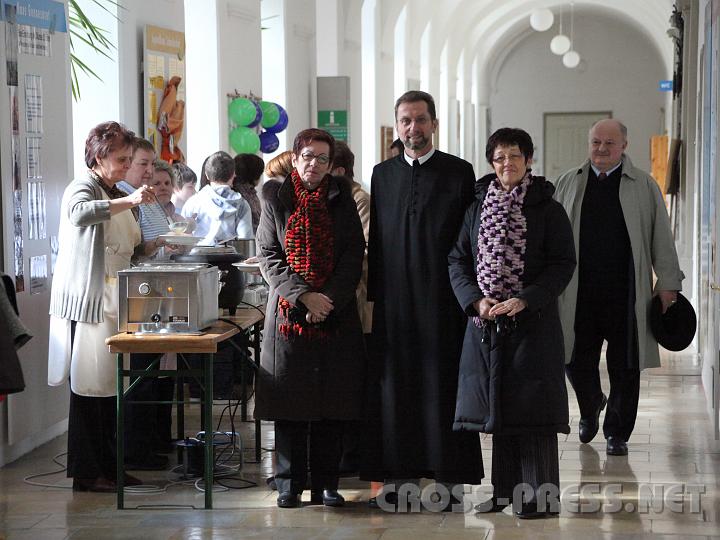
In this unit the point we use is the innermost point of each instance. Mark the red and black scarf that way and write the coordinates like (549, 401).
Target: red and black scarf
(309, 252)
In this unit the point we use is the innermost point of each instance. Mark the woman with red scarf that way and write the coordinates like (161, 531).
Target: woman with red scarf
(311, 381)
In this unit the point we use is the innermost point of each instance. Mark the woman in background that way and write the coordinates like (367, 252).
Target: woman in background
(248, 171)
(279, 167)
(185, 184)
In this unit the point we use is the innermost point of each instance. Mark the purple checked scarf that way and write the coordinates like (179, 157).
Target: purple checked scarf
(501, 242)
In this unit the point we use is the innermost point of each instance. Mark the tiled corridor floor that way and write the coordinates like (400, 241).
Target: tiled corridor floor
(672, 448)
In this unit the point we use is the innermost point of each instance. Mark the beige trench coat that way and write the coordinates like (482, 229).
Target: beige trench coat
(651, 241)
(365, 308)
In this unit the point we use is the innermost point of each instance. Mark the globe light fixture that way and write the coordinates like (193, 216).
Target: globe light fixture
(541, 19)
(571, 59)
(560, 44)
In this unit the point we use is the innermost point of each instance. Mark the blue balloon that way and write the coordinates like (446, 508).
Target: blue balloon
(258, 115)
(281, 123)
(268, 142)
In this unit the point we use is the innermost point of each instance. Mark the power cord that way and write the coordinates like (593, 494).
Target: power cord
(63, 468)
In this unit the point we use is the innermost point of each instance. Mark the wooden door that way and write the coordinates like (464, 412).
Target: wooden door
(566, 140)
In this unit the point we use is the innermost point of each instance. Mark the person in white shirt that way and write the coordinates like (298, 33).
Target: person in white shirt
(220, 212)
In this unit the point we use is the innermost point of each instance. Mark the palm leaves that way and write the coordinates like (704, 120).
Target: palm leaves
(83, 29)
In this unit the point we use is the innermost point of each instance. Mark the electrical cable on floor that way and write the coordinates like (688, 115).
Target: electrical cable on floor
(63, 468)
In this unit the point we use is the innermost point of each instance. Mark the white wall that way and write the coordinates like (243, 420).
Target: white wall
(621, 75)
(301, 66)
(39, 413)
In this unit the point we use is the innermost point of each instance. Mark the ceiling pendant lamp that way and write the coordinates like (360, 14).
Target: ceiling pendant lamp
(541, 19)
(571, 59)
(560, 44)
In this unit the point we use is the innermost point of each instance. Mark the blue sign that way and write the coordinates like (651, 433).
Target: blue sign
(46, 14)
(665, 86)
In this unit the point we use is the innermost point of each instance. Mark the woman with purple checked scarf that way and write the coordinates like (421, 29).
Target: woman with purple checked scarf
(513, 257)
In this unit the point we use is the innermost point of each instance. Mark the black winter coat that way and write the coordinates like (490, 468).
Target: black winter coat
(321, 379)
(516, 384)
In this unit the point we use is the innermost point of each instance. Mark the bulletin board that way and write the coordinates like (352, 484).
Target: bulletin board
(164, 91)
(35, 165)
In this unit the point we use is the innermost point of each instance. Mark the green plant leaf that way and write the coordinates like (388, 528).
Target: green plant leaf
(84, 30)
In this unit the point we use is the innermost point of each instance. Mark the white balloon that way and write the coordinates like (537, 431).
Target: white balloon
(541, 19)
(571, 59)
(560, 44)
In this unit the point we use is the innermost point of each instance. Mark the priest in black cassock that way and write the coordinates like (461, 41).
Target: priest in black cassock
(417, 205)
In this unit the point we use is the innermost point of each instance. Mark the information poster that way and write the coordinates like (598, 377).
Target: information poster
(164, 89)
(33, 104)
(37, 220)
(38, 274)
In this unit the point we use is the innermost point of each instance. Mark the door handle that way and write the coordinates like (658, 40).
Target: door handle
(715, 287)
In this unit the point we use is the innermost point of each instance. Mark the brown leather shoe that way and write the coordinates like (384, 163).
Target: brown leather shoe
(97, 485)
(131, 480)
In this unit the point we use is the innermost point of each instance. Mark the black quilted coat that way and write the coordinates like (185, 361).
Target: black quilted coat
(516, 384)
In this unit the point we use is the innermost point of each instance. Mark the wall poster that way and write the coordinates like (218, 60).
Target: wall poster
(33, 104)
(38, 274)
(164, 90)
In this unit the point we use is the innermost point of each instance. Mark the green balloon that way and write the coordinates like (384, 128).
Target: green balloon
(271, 114)
(244, 141)
(242, 111)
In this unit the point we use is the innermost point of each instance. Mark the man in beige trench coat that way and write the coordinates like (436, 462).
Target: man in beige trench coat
(622, 235)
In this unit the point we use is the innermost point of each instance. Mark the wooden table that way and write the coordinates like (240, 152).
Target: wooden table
(206, 345)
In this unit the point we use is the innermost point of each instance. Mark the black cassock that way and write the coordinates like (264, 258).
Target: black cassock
(416, 212)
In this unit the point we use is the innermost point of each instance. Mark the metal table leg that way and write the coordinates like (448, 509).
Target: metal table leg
(120, 434)
(208, 361)
(256, 357)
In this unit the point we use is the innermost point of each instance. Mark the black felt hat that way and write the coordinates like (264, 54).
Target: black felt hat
(675, 329)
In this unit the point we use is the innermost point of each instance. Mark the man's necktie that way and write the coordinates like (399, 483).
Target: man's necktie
(602, 176)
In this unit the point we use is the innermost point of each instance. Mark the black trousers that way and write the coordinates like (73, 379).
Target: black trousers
(147, 427)
(601, 319)
(91, 437)
(91, 434)
(524, 459)
(292, 439)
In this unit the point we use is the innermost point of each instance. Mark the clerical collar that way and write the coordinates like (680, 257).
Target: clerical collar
(607, 173)
(421, 159)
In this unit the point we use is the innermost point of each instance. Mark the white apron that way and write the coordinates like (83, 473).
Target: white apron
(92, 367)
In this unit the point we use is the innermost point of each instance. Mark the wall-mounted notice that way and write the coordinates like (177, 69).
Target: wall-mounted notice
(17, 213)
(33, 104)
(33, 158)
(18, 241)
(11, 43)
(35, 41)
(164, 82)
(38, 274)
(36, 211)
(54, 249)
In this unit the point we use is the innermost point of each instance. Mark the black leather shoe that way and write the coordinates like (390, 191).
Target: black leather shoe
(616, 446)
(589, 426)
(96, 485)
(328, 497)
(390, 499)
(491, 506)
(151, 462)
(530, 511)
(131, 480)
(288, 500)
(451, 504)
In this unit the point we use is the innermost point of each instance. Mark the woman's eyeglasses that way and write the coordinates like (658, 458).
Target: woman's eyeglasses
(322, 159)
(512, 157)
